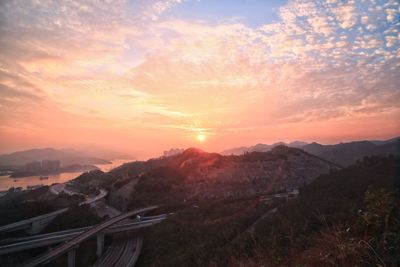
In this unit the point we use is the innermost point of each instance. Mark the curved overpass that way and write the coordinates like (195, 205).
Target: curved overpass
(121, 253)
(13, 245)
(73, 243)
(28, 222)
(36, 224)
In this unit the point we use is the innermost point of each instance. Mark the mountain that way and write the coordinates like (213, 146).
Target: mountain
(196, 175)
(328, 224)
(298, 144)
(96, 151)
(382, 142)
(261, 148)
(172, 152)
(343, 154)
(67, 158)
(346, 154)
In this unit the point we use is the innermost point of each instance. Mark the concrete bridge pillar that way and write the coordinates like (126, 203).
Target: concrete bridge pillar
(100, 244)
(35, 228)
(38, 225)
(71, 257)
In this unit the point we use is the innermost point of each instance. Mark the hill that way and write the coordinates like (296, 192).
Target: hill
(343, 154)
(261, 148)
(346, 154)
(195, 175)
(96, 151)
(349, 217)
(67, 158)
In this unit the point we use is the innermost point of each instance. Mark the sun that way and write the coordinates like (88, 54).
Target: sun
(201, 137)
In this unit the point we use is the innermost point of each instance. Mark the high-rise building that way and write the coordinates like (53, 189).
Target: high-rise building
(34, 166)
(50, 165)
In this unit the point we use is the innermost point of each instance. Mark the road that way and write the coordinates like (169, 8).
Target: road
(72, 244)
(90, 200)
(12, 245)
(58, 188)
(26, 223)
(121, 253)
(102, 209)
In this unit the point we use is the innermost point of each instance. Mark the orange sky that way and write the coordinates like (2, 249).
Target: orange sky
(144, 76)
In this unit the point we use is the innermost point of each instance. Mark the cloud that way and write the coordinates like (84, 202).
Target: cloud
(126, 66)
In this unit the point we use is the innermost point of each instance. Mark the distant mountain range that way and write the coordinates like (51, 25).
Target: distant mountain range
(67, 157)
(261, 148)
(100, 152)
(346, 154)
(343, 153)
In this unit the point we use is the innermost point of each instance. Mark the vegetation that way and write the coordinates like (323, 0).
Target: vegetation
(347, 218)
(74, 217)
(17, 206)
(197, 233)
(152, 190)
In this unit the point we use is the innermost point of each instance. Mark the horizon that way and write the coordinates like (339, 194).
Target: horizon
(142, 77)
(145, 158)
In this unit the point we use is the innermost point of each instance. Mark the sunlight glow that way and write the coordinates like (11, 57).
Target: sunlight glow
(201, 137)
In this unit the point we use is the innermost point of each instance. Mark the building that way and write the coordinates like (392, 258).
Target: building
(44, 165)
(34, 166)
(50, 165)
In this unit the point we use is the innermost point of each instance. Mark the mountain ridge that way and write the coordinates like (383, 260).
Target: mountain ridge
(37, 154)
(344, 153)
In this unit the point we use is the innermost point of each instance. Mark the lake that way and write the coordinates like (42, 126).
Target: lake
(6, 182)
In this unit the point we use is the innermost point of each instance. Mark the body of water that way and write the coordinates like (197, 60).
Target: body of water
(115, 163)
(6, 182)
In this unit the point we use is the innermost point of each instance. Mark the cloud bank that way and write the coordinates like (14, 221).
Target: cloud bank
(128, 71)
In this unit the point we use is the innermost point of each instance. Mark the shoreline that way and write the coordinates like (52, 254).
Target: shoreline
(80, 168)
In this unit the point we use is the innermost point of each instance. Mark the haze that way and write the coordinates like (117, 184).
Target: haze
(144, 76)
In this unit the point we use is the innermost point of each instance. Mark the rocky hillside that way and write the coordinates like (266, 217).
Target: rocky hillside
(349, 217)
(215, 176)
(195, 175)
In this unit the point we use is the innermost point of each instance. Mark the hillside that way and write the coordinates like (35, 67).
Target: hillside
(346, 154)
(22, 157)
(261, 148)
(349, 217)
(96, 151)
(195, 175)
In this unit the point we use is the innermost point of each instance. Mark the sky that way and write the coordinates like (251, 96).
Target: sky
(143, 76)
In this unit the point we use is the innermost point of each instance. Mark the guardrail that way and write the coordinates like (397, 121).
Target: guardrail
(73, 243)
(26, 243)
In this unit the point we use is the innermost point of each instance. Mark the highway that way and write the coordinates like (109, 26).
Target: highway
(99, 196)
(121, 253)
(73, 243)
(26, 223)
(12, 245)
(102, 209)
(58, 188)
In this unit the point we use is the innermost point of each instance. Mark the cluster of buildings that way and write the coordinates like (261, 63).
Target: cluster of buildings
(44, 165)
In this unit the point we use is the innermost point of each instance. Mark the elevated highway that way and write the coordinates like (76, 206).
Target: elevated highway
(121, 253)
(13, 245)
(72, 244)
(36, 224)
